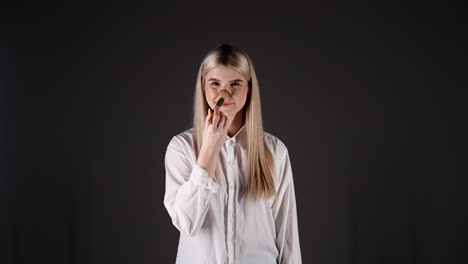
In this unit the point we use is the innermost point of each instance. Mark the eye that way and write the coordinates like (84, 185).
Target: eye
(215, 83)
(235, 84)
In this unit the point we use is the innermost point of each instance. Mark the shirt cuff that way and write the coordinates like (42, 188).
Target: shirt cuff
(200, 177)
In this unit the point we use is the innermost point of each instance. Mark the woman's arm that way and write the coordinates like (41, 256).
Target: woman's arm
(188, 190)
(285, 214)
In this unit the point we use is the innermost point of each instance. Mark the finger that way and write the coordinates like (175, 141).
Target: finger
(226, 123)
(222, 121)
(216, 117)
(208, 117)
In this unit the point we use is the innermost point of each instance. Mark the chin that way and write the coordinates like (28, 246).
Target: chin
(233, 114)
(230, 111)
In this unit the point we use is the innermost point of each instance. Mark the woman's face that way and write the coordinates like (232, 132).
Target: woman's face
(224, 78)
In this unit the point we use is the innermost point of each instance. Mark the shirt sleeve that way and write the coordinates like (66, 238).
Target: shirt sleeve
(285, 214)
(188, 190)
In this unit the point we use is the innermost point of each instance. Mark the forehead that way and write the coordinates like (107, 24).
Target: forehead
(224, 73)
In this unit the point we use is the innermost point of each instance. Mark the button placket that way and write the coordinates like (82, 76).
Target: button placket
(231, 151)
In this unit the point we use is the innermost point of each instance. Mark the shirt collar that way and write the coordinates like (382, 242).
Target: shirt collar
(240, 137)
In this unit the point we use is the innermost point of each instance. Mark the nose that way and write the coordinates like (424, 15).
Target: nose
(228, 88)
(223, 93)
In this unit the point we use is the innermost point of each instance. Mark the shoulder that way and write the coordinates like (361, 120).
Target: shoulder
(183, 142)
(276, 145)
(281, 160)
(182, 139)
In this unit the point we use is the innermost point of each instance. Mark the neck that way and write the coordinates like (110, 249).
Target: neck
(235, 124)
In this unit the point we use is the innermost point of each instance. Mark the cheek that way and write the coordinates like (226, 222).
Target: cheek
(241, 97)
(209, 94)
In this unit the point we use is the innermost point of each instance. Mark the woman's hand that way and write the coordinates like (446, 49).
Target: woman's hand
(214, 136)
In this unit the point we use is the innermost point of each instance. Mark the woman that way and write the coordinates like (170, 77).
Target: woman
(229, 184)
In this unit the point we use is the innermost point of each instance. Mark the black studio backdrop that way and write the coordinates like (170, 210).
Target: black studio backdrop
(366, 98)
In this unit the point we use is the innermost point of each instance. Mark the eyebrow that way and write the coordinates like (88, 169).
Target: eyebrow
(214, 79)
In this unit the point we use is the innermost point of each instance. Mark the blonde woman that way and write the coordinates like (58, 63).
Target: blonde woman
(229, 184)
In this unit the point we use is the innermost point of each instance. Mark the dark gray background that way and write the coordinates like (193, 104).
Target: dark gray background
(366, 98)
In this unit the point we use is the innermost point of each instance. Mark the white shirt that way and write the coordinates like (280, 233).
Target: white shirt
(217, 223)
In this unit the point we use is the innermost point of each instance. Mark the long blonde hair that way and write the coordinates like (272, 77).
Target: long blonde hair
(261, 165)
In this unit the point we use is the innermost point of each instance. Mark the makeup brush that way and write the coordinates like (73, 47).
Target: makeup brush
(218, 105)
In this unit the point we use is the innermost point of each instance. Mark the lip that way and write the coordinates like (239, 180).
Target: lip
(227, 104)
